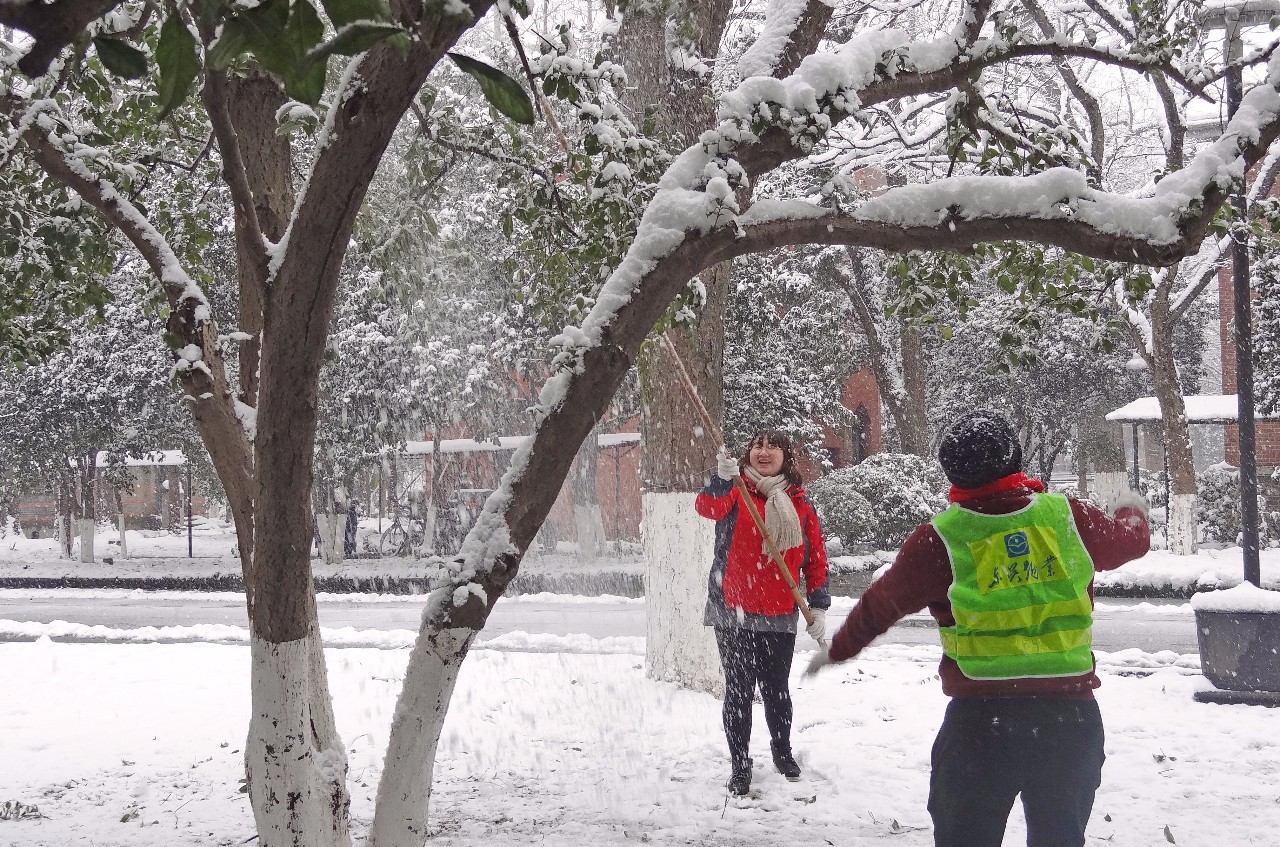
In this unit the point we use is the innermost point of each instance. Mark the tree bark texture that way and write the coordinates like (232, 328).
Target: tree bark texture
(88, 505)
(915, 432)
(1177, 435)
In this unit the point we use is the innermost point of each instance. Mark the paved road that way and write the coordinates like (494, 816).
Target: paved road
(1150, 625)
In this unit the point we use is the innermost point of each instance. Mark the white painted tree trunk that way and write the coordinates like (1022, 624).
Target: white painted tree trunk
(333, 527)
(678, 547)
(295, 761)
(1182, 524)
(588, 521)
(1107, 486)
(86, 528)
(429, 529)
(404, 791)
(124, 544)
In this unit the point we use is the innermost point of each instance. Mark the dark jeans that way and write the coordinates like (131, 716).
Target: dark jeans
(749, 659)
(989, 751)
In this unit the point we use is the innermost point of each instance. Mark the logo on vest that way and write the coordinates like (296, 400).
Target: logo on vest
(1016, 545)
(1017, 558)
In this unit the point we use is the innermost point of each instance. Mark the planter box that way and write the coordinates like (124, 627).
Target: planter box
(1240, 651)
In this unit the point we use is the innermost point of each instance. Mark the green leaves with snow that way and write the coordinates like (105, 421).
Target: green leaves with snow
(286, 37)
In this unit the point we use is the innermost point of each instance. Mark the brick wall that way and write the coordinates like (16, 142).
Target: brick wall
(851, 445)
(1267, 433)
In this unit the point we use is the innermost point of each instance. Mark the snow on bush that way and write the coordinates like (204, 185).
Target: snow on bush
(878, 502)
(845, 514)
(1218, 506)
(1218, 503)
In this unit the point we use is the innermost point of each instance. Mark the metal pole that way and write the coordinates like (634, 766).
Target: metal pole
(1243, 330)
(190, 545)
(1137, 480)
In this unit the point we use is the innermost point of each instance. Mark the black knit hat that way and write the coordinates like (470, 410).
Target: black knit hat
(979, 448)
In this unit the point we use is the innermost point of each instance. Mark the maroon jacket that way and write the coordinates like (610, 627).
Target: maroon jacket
(921, 576)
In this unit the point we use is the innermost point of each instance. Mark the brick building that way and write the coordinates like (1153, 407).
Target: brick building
(157, 499)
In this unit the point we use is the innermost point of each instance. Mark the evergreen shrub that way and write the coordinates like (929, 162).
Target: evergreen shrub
(876, 504)
(1218, 504)
(1218, 507)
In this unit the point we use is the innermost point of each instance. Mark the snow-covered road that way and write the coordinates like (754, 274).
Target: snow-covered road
(1150, 626)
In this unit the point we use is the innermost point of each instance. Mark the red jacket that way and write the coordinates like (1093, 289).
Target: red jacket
(921, 576)
(750, 580)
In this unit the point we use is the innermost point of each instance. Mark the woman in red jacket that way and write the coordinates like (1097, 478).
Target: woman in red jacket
(749, 602)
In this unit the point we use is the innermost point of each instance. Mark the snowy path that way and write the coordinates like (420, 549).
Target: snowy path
(139, 745)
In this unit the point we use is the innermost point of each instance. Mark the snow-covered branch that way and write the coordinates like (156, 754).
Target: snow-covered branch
(790, 28)
(58, 151)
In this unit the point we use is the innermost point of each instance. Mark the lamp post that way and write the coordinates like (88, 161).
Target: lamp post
(1233, 18)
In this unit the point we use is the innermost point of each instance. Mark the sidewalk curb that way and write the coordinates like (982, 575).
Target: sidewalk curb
(620, 584)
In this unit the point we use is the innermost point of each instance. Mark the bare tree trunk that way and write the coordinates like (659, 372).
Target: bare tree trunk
(404, 791)
(295, 761)
(331, 524)
(432, 535)
(587, 518)
(67, 511)
(124, 543)
(1103, 452)
(1082, 470)
(88, 512)
(915, 434)
(1182, 474)
(676, 454)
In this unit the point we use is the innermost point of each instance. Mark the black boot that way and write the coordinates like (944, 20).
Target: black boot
(785, 763)
(740, 780)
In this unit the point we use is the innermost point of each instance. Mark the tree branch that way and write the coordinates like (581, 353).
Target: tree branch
(215, 96)
(52, 26)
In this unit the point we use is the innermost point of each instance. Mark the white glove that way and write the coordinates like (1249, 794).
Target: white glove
(818, 629)
(819, 661)
(726, 466)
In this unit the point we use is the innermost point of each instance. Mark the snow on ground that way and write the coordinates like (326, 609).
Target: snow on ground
(561, 740)
(140, 745)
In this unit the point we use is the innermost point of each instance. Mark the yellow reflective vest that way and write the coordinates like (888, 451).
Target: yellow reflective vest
(1019, 592)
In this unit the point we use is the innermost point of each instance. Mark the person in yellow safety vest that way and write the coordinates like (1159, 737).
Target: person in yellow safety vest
(1007, 571)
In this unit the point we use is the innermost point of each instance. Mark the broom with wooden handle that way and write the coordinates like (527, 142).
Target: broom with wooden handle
(750, 502)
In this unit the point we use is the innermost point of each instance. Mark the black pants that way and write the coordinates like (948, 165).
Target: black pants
(749, 659)
(989, 751)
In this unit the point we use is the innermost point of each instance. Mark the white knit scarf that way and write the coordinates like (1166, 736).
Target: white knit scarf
(780, 517)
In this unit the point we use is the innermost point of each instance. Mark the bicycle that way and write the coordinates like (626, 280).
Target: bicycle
(399, 540)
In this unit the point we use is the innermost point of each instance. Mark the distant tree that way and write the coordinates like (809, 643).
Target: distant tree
(79, 414)
(790, 352)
